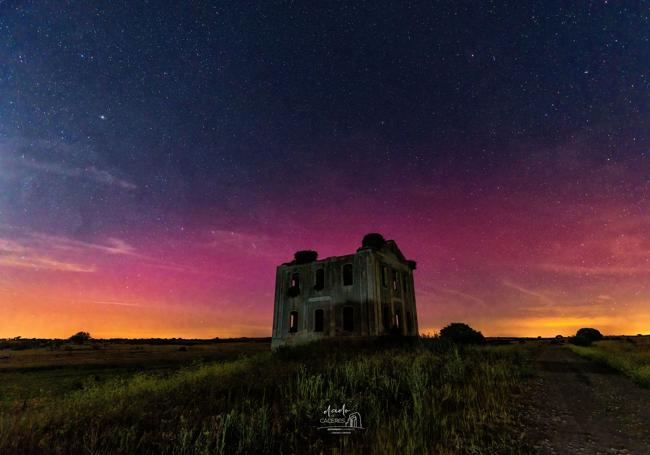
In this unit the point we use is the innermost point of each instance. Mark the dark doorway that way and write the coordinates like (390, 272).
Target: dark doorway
(385, 314)
(348, 319)
(318, 320)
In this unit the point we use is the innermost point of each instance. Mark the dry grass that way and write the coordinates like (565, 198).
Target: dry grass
(430, 397)
(629, 355)
(121, 354)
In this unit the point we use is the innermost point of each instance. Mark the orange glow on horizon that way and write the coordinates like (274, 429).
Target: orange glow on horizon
(221, 284)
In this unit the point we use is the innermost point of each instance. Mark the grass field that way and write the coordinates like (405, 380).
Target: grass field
(424, 397)
(43, 373)
(629, 355)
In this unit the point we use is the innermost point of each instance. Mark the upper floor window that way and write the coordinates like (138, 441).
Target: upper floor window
(384, 276)
(404, 281)
(347, 275)
(320, 279)
(294, 285)
(395, 280)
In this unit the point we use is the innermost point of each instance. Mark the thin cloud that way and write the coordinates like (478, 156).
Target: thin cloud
(66, 160)
(44, 252)
(36, 250)
(259, 245)
(88, 172)
(113, 302)
(112, 246)
(530, 292)
(238, 239)
(464, 295)
(598, 270)
(18, 254)
(36, 262)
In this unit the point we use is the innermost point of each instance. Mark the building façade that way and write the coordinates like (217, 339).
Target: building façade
(367, 293)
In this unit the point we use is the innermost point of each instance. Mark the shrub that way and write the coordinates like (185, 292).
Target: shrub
(580, 340)
(591, 334)
(559, 339)
(459, 332)
(305, 256)
(373, 240)
(80, 337)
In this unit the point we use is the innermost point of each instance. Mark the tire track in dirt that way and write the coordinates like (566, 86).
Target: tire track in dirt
(581, 407)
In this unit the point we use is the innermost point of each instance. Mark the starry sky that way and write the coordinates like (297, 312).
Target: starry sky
(158, 161)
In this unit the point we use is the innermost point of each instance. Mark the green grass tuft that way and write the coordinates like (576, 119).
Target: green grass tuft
(428, 397)
(630, 356)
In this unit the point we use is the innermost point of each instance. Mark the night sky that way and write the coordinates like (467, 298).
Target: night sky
(157, 163)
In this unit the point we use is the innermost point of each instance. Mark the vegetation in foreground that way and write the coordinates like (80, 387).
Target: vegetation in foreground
(31, 374)
(629, 355)
(585, 336)
(459, 332)
(426, 396)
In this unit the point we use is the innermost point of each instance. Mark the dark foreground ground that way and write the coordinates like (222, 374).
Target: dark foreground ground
(426, 396)
(578, 406)
(40, 374)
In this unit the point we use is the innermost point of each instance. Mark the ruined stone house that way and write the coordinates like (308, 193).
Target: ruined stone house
(367, 293)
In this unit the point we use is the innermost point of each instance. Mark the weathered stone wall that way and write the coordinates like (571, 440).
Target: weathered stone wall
(366, 296)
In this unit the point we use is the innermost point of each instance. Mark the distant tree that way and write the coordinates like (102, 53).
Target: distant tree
(580, 340)
(80, 337)
(589, 333)
(459, 332)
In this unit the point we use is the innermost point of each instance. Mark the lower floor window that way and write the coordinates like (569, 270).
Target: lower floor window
(293, 322)
(318, 321)
(386, 318)
(348, 319)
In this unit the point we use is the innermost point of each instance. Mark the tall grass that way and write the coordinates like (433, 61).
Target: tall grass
(629, 355)
(424, 398)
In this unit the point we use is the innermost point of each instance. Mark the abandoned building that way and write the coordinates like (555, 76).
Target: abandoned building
(368, 293)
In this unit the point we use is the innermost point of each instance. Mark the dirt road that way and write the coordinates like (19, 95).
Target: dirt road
(581, 407)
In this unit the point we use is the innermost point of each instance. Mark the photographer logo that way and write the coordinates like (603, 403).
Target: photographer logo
(340, 420)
